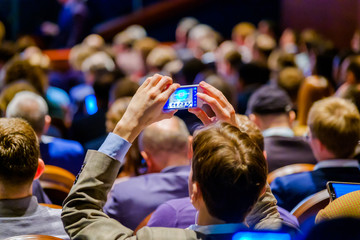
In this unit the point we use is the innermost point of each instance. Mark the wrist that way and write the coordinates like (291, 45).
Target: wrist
(127, 129)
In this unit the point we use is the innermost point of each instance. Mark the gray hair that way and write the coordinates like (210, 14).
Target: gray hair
(30, 107)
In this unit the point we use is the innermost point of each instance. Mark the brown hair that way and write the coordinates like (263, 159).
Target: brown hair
(23, 70)
(19, 151)
(251, 129)
(312, 89)
(336, 123)
(230, 170)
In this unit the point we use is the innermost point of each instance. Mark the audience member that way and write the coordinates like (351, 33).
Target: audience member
(67, 154)
(20, 212)
(270, 108)
(165, 148)
(181, 213)
(334, 132)
(312, 89)
(290, 79)
(347, 205)
(221, 153)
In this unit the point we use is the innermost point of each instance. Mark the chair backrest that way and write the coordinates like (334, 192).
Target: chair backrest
(33, 237)
(143, 223)
(56, 183)
(51, 205)
(311, 205)
(290, 169)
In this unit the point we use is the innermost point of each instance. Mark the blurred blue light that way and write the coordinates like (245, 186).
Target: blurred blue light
(261, 236)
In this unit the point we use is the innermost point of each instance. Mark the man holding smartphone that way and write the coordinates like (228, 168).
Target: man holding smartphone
(224, 188)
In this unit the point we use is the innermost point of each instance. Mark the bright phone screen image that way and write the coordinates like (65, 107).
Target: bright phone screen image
(343, 188)
(182, 98)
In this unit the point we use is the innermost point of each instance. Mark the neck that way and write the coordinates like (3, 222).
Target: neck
(15, 192)
(204, 218)
(271, 121)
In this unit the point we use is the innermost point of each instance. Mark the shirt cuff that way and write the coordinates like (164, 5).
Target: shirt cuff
(115, 146)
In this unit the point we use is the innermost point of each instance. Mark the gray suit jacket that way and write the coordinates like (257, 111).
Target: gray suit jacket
(83, 217)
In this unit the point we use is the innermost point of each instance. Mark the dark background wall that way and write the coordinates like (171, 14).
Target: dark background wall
(335, 19)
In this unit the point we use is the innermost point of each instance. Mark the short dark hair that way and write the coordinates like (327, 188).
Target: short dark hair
(19, 151)
(230, 170)
(354, 67)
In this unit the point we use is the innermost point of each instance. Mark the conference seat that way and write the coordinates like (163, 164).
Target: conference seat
(56, 183)
(143, 223)
(51, 205)
(311, 205)
(289, 169)
(33, 237)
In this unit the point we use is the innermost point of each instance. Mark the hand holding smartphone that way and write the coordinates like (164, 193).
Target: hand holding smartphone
(184, 98)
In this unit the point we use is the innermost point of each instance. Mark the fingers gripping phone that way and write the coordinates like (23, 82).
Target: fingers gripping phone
(184, 97)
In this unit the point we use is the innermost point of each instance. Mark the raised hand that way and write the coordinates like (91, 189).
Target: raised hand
(146, 106)
(223, 110)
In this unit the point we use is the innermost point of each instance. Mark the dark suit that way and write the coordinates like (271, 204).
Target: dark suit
(291, 189)
(282, 151)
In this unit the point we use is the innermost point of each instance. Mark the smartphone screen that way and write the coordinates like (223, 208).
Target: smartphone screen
(337, 189)
(183, 98)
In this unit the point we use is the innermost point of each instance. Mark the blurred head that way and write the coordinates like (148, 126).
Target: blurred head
(290, 79)
(353, 70)
(228, 171)
(165, 143)
(30, 107)
(8, 93)
(19, 153)
(22, 70)
(335, 123)
(159, 57)
(183, 28)
(313, 88)
(241, 31)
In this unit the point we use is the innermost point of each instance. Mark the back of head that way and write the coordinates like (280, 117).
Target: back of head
(30, 107)
(22, 70)
(123, 88)
(242, 30)
(159, 56)
(19, 152)
(230, 170)
(8, 93)
(354, 67)
(267, 100)
(336, 123)
(169, 136)
(249, 127)
(312, 89)
(290, 79)
(254, 73)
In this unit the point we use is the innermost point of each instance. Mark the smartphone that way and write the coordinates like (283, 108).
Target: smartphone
(91, 104)
(337, 189)
(183, 98)
(268, 235)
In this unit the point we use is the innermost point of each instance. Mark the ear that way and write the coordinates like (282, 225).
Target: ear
(148, 160)
(196, 194)
(255, 119)
(190, 152)
(292, 117)
(47, 123)
(40, 169)
(265, 154)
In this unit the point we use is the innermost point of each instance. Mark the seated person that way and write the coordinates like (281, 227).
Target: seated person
(181, 213)
(270, 109)
(20, 212)
(67, 154)
(347, 205)
(165, 148)
(228, 171)
(334, 132)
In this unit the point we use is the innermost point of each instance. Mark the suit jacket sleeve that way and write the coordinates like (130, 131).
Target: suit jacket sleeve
(82, 213)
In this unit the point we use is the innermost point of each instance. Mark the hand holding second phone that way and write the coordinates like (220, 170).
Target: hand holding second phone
(146, 106)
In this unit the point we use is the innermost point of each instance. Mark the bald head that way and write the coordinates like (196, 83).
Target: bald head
(166, 139)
